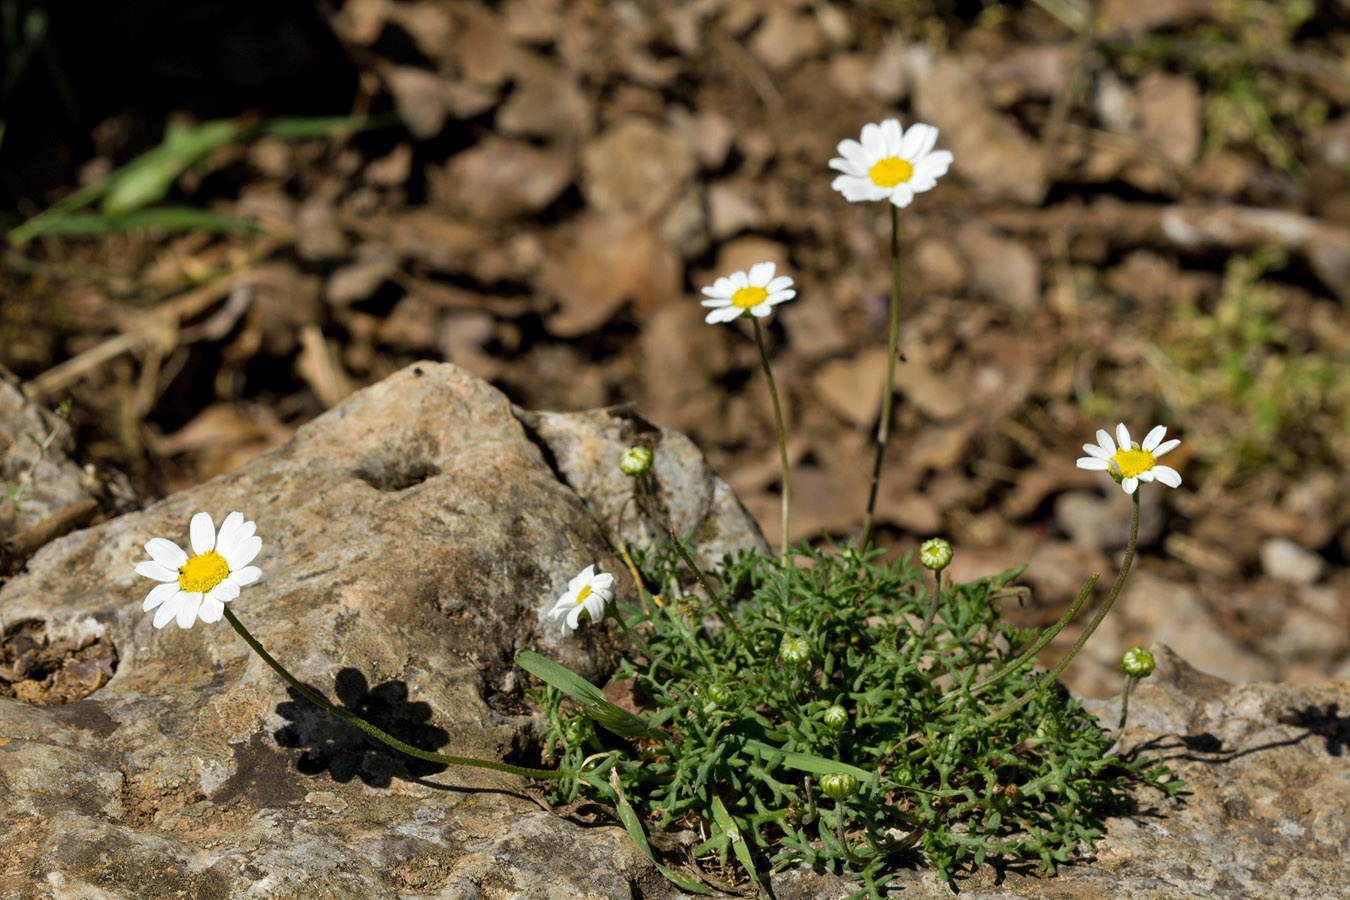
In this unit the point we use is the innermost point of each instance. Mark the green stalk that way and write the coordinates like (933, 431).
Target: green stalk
(376, 733)
(782, 433)
(1124, 706)
(892, 348)
(648, 504)
(1045, 638)
(1092, 626)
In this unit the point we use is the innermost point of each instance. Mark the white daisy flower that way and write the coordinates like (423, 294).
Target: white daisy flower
(754, 291)
(1131, 463)
(200, 585)
(587, 592)
(890, 163)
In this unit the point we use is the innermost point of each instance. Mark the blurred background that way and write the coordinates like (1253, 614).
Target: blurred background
(222, 218)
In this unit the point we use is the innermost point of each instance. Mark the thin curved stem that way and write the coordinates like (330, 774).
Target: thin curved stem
(782, 433)
(376, 733)
(1092, 626)
(892, 348)
(648, 504)
(1124, 707)
(1045, 638)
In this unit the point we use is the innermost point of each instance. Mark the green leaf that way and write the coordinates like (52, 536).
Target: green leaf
(730, 827)
(148, 177)
(633, 824)
(612, 718)
(805, 762)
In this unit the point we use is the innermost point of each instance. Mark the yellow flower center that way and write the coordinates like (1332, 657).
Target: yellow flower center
(890, 171)
(583, 593)
(1131, 462)
(747, 297)
(201, 573)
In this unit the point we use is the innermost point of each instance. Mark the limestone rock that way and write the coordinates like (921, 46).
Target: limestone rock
(413, 538)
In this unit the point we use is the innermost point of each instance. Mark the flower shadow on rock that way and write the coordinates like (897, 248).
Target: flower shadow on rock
(347, 752)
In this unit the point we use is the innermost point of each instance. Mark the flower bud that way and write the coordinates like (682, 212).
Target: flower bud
(839, 786)
(935, 553)
(835, 717)
(635, 461)
(720, 694)
(1137, 662)
(795, 651)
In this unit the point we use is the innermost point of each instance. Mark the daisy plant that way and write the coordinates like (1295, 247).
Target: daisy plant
(199, 587)
(1130, 465)
(756, 292)
(893, 164)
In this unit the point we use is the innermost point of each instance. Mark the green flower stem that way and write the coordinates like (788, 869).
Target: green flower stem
(377, 733)
(782, 433)
(929, 616)
(649, 507)
(1124, 706)
(1092, 626)
(1046, 637)
(892, 348)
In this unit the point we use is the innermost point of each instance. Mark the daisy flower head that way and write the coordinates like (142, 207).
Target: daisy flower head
(755, 292)
(587, 593)
(1130, 463)
(200, 585)
(890, 163)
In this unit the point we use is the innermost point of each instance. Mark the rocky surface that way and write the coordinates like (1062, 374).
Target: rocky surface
(414, 537)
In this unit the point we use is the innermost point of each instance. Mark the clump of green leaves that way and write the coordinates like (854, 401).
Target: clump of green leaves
(824, 725)
(1237, 362)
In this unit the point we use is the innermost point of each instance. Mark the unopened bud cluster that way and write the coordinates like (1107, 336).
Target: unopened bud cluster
(635, 461)
(935, 554)
(1137, 662)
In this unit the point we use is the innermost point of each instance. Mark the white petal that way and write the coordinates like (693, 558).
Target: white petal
(839, 164)
(1154, 437)
(1145, 477)
(246, 575)
(229, 535)
(203, 532)
(1123, 437)
(595, 605)
(574, 617)
(740, 280)
(1099, 452)
(781, 283)
(1104, 441)
(761, 310)
(853, 151)
(722, 287)
(780, 297)
(902, 195)
(1166, 447)
(224, 592)
(1167, 475)
(726, 314)
(873, 142)
(602, 582)
(211, 610)
(165, 613)
(560, 607)
(715, 304)
(761, 274)
(893, 134)
(187, 609)
(936, 163)
(1097, 465)
(243, 554)
(166, 553)
(152, 569)
(159, 594)
(1130, 484)
(918, 141)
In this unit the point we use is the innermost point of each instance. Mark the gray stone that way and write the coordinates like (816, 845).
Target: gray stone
(413, 539)
(1286, 561)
